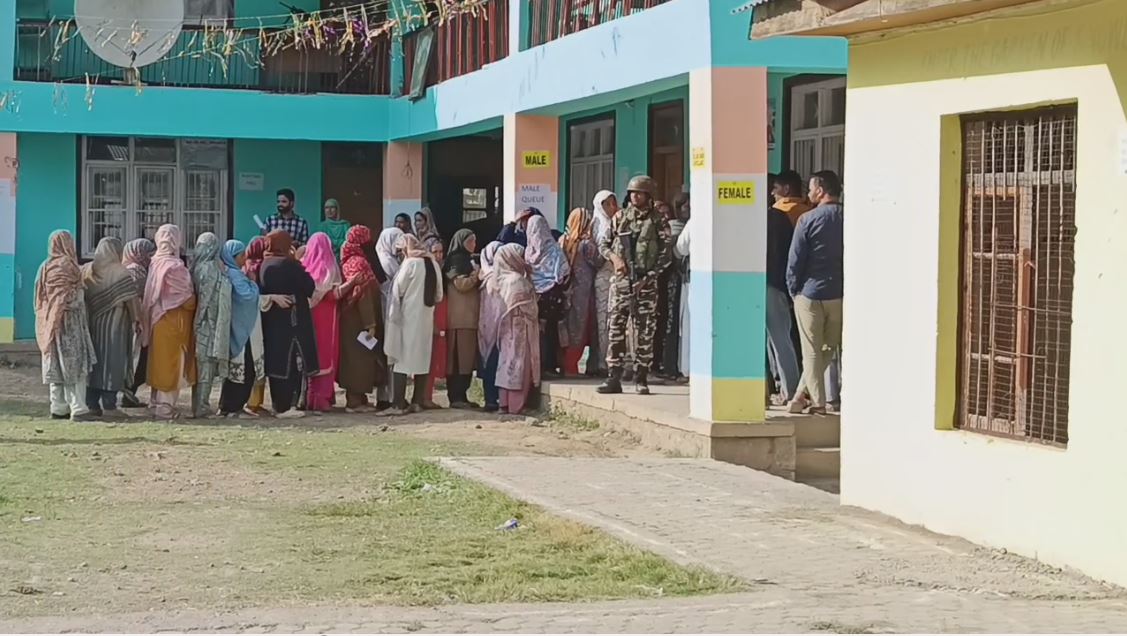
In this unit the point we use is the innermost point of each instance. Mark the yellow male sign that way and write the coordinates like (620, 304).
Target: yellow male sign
(538, 159)
(735, 193)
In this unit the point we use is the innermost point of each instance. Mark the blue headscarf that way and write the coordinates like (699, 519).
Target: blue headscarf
(244, 297)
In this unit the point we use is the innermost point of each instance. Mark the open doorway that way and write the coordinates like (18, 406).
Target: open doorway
(463, 185)
(667, 148)
(352, 173)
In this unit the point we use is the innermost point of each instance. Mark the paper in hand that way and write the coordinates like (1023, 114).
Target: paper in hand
(367, 340)
(259, 223)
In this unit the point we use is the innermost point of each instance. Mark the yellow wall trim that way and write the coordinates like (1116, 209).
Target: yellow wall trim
(7, 330)
(739, 401)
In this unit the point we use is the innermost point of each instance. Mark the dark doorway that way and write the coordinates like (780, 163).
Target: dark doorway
(667, 148)
(352, 173)
(463, 180)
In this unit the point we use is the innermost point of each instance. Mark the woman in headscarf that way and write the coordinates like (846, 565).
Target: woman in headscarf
(518, 342)
(462, 309)
(606, 207)
(676, 279)
(438, 349)
(551, 278)
(245, 368)
(362, 368)
(256, 251)
(135, 257)
(321, 264)
(291, 345)
(427, 230)
(334, 226)
(403, 223)
(410, 321)
(167, 323)
(212, 325)
(114, 305)
(489, 320)
(389, 263)
(577, 330)
(61, 328)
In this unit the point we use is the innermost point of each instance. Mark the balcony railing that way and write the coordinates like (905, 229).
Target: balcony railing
(462, 44)
(53, 52)
(552, 19)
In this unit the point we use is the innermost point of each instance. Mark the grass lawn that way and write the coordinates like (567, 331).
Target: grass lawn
(136, 517)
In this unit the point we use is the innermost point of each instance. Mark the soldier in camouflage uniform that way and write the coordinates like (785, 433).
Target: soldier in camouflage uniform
(639, 244)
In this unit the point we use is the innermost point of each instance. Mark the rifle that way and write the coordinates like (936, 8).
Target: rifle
(626, 238)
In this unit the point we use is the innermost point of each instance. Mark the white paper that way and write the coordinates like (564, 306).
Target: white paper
(1123, 153)
(367, 340)
(259, 223)
(251, 181)
(539, 196)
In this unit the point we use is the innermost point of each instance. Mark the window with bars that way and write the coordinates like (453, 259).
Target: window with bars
(591, 160)
(817, 127)
(132, 186)
(1018, 244)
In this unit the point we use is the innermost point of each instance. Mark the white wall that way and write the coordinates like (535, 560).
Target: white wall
(1063, 506)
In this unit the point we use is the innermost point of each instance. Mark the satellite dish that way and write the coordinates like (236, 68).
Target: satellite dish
(129, 33)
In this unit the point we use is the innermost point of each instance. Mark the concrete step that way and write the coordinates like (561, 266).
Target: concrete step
(817, 463)
(828, 484)
(817, 431)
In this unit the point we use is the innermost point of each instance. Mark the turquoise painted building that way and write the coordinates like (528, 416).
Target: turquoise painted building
(610, 90)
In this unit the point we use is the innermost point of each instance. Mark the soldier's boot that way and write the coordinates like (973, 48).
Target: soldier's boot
(628, 375)
(613, 383)
(641, 383)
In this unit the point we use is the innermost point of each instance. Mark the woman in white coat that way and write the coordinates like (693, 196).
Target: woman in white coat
(410, 322)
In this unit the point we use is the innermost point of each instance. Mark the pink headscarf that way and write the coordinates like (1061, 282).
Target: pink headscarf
(169, 285)
(321, 264)
(491, 309)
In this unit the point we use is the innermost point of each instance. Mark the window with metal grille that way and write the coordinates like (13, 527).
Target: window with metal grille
(133, 185)
(1018, 243)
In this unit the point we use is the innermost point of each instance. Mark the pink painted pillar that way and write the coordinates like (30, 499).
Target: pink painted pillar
(402, 180)
(532, 173)
(9, 165)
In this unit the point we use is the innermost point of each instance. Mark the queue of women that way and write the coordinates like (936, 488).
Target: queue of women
(370, 315)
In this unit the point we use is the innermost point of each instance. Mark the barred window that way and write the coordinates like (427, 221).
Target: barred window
(1018, 248)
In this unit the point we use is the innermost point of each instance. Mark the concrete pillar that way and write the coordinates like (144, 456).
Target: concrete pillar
(402, 180)
(532, 175)
(9, 164)
(728, 181)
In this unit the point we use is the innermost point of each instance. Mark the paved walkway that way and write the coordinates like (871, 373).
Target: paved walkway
(814, 566)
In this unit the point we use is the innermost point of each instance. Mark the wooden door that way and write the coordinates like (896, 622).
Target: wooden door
(667, 148)
(352, 173)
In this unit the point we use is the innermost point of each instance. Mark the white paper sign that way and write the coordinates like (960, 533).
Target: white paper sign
(251, 181)
(539, 196)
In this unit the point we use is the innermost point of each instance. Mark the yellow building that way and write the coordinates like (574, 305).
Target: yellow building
(986, 267)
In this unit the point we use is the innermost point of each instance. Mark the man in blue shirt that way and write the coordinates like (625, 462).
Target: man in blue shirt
(815, 281)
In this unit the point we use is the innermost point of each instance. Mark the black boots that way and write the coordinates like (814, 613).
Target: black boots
(641, 385)
(613, 382)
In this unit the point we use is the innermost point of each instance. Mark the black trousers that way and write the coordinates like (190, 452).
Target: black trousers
(457, 386)
(142, 372)
(399, 390)
(233, 396)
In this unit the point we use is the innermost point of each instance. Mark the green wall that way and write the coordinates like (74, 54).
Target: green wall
(46, 200)
(284, 164)
(631, 140)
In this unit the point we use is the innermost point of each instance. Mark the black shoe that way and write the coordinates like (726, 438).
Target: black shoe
(613, 382)
(628, 375)
(641, 385)
(56, 416)
(491, 408)
(382, 405)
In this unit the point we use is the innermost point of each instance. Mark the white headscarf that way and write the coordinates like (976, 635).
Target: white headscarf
(601, 223)
(385, 250)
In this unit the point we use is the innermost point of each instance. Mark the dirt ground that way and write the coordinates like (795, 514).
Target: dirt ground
(23, 393)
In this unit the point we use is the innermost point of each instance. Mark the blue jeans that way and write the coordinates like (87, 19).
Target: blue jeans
(780, 349)
(488, 374)
(98, 400)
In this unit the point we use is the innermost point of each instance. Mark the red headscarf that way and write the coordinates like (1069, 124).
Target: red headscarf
(56, 287)
(256, 250)
(354, 263)
(279, 244)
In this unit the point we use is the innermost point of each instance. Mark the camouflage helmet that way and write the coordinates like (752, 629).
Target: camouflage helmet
(642, 183)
